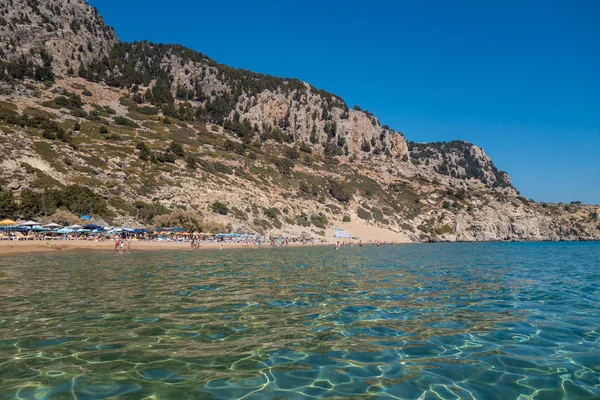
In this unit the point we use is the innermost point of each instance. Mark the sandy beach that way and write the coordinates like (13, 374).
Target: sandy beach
(366, 233)
(84, 246)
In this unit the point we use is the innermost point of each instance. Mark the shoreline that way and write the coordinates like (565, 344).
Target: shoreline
(16, 248)
(12, 248)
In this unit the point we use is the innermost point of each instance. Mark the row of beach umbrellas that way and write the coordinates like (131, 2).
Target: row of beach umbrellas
(10, 222)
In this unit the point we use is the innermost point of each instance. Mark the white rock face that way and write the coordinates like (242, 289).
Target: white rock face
(70, 31)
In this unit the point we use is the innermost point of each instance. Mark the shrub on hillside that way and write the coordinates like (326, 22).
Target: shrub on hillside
(147, 211)
(8, 205)
(120, 120)
(340, 191)
(189, 220)
(284, 165)
(144, 153)
(363, 214)
(63, 217)
(191, 161)
(220, 208)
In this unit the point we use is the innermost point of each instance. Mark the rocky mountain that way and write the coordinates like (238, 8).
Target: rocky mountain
(41, 37)
(458, 159)
(161, 135)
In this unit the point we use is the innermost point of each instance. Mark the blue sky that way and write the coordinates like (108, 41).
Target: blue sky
(519, 78)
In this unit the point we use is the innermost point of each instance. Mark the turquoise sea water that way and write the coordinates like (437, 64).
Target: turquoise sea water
(443, 321)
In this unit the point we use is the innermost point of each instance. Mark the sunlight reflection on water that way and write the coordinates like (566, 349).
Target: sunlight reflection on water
(450, 320)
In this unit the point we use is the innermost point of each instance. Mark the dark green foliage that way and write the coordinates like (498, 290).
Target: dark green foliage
(62, 101)
(103, 129)
(30, 204)
(304, 147)
(22, 68)
(346, 218)
(75, 198)
(330, 129)
(176, 148)
(284, 165)
(377, 215)
(220, 208)
(8, 206)
(191, 161)
(160, 94)
(366, 146)
(242, 129)
(319, 220)
(87, 93)
(147, 110)
(48, 134)
(234, 147)
(363, 214)
(144, 153)
(303, 220)
(222, 168)
(312, 190)
(271, 213)
(147, 211)
(77, 127)
(340, 191)
(79, 113)
(51, 130)
(165, 157)
(292, 153)
(120, 120)
(70, 101)
(330, 149)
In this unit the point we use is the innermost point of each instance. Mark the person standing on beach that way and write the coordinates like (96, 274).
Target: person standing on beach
(117, 244)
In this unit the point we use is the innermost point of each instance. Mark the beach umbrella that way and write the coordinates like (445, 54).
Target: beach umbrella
(92, 226)
(29, 223)
(8, 222)
(75, 226)
(65, 230)
(52, 225)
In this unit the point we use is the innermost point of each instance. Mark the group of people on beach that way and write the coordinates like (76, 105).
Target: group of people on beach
(122, 243)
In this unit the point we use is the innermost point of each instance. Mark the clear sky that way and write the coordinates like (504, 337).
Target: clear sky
(519, 78)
